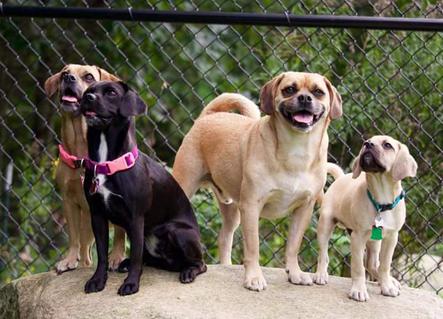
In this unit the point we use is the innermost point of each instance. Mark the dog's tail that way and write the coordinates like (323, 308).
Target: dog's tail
(227, 102)
(334, 170)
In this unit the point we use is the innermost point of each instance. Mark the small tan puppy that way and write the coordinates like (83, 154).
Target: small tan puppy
(70, 83)
(263, 167)
(377, 173)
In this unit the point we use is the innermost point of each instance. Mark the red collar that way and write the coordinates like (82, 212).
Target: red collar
(121, 163)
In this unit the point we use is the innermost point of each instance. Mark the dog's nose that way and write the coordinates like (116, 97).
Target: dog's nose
(304, 98)
(368, 144)
(69, 78)
(90, 97)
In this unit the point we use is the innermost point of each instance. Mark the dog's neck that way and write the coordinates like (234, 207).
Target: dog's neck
(112, 142)
(73, 134)
(291, 145)
(382, 187)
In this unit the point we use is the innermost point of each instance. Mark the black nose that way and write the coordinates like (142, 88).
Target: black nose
(304, 98)
(90, 97)
(69, 78)
(368, 144)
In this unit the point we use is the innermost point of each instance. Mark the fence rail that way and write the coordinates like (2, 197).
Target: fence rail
(391, 82)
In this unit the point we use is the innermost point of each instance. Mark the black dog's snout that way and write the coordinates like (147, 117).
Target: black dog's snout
(304, 98)
(69, 78)
(90, 97)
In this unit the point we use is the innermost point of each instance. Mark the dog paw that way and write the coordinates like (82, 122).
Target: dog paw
(321, 278)
(67, 264)
(124, 266)
(189, 274)
(128, 288)
(115, 259)
(95, 284)
(299, 278)
(390, 287)
(255, 281)
(359, 293)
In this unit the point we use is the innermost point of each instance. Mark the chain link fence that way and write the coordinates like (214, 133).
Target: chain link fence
(391, 83)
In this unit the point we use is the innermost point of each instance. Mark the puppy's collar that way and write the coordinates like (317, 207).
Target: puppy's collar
(71, 160)
(122, 163)
(382, 207)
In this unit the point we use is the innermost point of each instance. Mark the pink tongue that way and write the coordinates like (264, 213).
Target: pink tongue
(70, 99)
(303, 118)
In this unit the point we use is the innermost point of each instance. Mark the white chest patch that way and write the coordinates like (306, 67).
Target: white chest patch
(102, 156)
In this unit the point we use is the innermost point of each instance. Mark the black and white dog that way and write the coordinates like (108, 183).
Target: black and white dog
(133, 191)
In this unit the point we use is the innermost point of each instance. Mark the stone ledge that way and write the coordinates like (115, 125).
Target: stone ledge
(215, 294)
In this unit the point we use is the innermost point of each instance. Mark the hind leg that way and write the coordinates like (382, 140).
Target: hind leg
(117, 254)
(187, 171)
(231, 220)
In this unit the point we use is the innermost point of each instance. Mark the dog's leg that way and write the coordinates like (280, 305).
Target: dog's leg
(372, 258)
(300, 221)
(86, 238)
(101, 233)
(358, 290)
(136, 238)
(190, 254)
(231, 220)
(324, 231)
(72, 212)
(188, 173)
(117, 254)
(389, 285)
(250, 214)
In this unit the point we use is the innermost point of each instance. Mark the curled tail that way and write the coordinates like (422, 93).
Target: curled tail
(334, 170)
(227, 102)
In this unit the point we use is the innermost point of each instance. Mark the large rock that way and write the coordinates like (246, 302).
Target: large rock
(215, 294)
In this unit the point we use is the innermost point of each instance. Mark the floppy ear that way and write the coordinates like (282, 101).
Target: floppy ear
(132, 103)
(52, 84)
(356, 168)
(404, 165)
(105, 75)
(267, 95)
(336, 109)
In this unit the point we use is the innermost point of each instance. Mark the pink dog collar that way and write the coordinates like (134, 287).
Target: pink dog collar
(71, 160)
(121, 163)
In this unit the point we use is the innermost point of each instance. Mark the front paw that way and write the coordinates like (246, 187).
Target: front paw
(298, 277)
(255, 280)
(67, 264)
(321, 278)
(129, 287)
(390, 287)
(359, 292)
(95, 284)
(115, 259)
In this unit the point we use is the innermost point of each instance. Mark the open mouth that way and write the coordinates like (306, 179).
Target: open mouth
(69, 100)
(94, 120)
(369, 163)
(301, 119)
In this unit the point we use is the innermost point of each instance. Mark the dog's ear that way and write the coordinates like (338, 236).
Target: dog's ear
(404, 165)
(105, 75)
(52, 84)
(267, 94)
(356, 168)
(132, 103)
(336, 109)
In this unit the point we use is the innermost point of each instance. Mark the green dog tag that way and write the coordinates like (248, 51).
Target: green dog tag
(376, 233)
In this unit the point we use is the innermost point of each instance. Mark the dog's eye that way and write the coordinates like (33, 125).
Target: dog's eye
(289, 90)
(89, 77)
(111, 92)
(318, 92)
(387, 146)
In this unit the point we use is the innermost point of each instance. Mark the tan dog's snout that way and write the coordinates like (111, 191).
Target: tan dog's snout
(383, 153)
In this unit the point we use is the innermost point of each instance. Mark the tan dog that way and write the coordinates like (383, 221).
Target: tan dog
(70, 83)
(384, 162)
(263, 167)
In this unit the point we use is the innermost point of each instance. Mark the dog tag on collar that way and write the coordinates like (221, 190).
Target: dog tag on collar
(377, 233)
(94, 186)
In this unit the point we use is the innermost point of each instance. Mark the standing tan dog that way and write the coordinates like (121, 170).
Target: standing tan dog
(362, 200)
(70, 83)
(263, 167)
